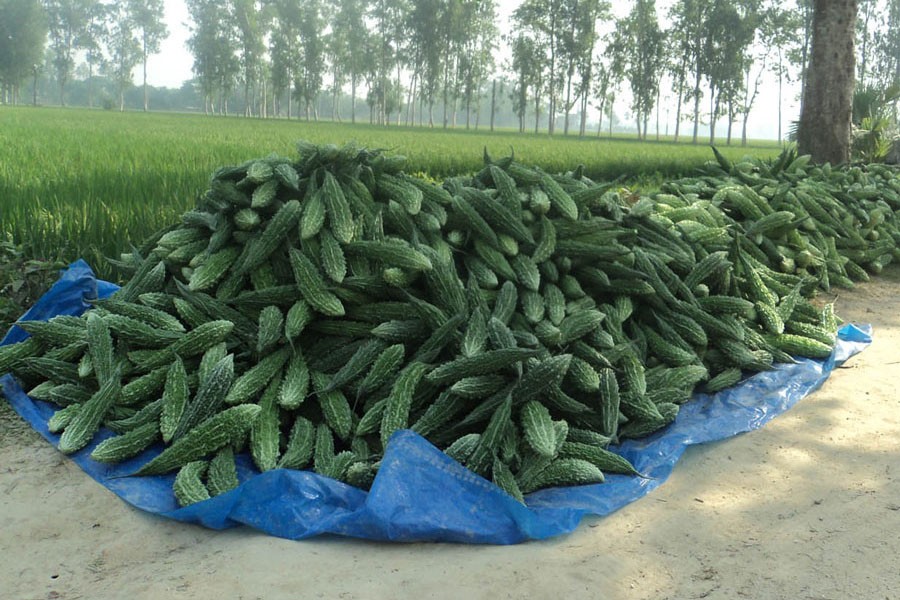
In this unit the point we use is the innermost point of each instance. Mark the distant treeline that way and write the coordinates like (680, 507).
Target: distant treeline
(436, 62)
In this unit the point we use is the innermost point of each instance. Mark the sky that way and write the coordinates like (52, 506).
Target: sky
(172, 66)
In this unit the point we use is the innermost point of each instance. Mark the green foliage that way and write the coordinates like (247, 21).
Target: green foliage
(874, 126)
(22, 281)
(22, 32)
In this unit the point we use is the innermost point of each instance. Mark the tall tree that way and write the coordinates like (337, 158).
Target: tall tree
(213, 43)
(23, 33)
(887, 41)
(336, 52)
(424, 23)
(147, 17)
(688, 26)
(453, 35)
(579, 36)
(637, 50)
(730, 28)
(603, 92)
(782, 28)
(92, 39)
(541, 21)
(66, 20)
(525, 67)
(865, 42)
(310, 71)
(284, 49)
(124, 51)
(349, 24)
(824, 130)
(477, 51)
(383, 14)
(800, 54)
(770, 38)
(587, 64)
(249, 23)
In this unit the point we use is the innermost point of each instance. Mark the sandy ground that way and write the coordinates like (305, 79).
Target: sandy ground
(807, 508)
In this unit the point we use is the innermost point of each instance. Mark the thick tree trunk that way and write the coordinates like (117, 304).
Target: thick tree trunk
(824, 130)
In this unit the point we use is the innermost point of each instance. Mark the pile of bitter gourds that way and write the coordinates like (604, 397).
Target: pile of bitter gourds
(307, 309)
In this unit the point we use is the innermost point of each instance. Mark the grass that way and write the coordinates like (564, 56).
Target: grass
(81, 183)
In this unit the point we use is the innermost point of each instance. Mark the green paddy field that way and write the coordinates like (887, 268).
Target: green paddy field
(77, 183)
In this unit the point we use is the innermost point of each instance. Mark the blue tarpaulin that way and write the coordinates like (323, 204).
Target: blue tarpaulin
(420, 494)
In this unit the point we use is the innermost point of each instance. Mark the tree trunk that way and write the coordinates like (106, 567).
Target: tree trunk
(493, 102)
(657, 113)
(146, 96)
(696, 109)
(864, 51)
(780, 86)
(730, 122)
(263, 99)
(411, 101)
(602, 108)
(446, 93)
(353, 98)
(681, 79)
(334, 93)
(804, 56)
(824, 130)
(582, 126)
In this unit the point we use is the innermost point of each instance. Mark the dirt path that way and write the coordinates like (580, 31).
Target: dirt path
(806, 508)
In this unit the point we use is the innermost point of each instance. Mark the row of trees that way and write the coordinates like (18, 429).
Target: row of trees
(434, 62)
(111, 37)
(409, 56)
